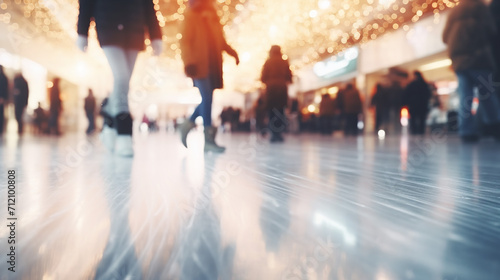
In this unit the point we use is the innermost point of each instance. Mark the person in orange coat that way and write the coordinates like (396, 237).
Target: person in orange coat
(202, 44)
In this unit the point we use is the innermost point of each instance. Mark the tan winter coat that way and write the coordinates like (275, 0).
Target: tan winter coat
(195, 40)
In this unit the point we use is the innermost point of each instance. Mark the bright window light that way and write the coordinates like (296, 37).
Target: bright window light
(436, 65)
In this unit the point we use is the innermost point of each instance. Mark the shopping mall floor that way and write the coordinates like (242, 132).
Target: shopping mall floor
(314, 207)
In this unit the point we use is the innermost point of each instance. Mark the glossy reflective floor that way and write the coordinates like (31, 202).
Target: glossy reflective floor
(312, 208)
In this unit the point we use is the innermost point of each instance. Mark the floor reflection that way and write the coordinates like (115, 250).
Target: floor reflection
(119, 260)
(475, 214)
(312, 208)
(274, 212)
(202, 254)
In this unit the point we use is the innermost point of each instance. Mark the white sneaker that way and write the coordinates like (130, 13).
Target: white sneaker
(108, 137)
(123, 146)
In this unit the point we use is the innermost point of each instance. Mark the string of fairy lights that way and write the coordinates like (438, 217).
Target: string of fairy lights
(307, 30)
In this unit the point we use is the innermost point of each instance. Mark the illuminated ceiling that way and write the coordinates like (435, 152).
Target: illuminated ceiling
(308, 30)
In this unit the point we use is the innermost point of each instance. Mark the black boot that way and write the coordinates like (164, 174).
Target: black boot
(123, 145)
(124, 124)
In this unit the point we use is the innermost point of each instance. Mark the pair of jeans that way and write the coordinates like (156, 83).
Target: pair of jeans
(418, 122)
(206, 88)
(351, 124)
(122, 62)
(19, 113)
(488, 111)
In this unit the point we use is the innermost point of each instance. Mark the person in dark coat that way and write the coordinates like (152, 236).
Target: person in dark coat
(55, 107)
(349, 102)
(90, 109)
(39, 119)
(202, 45)
(395, 94)
(4, 96)
(276, 75)
(121, 30)
(382, 103)
(327, 110)
(21, 95)
(417, 97)
(468, 33)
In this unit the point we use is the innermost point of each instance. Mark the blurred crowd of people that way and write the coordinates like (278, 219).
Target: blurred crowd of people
(471, 34)
(42, 121)
(230, 119)
(335, 113)
(389, 100)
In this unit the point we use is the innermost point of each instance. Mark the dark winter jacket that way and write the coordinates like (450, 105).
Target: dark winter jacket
(395, 93)
(327, 106)
(349, 101)
(381, 100)
(202, 44)
(21, 92)
(120, 23)
(417, 96)
(468, 34)
(276, 75)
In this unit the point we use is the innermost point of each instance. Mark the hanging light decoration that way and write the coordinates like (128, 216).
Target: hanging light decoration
(307, 30)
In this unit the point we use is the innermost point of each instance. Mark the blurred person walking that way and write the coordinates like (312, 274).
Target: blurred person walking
(260, 115)
(90, 110)
(4, 97)
(349, 102)
(395, 94)
(276, 75)
(382, 104)
(327, 109)
(121, 31)
(40, 119)
(202, 44)
(55, 107)
(417, 96)
(21, 96)
(468, 34)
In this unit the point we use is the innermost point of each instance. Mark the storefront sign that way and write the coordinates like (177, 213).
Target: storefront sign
(423, 39)
(342, 64)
